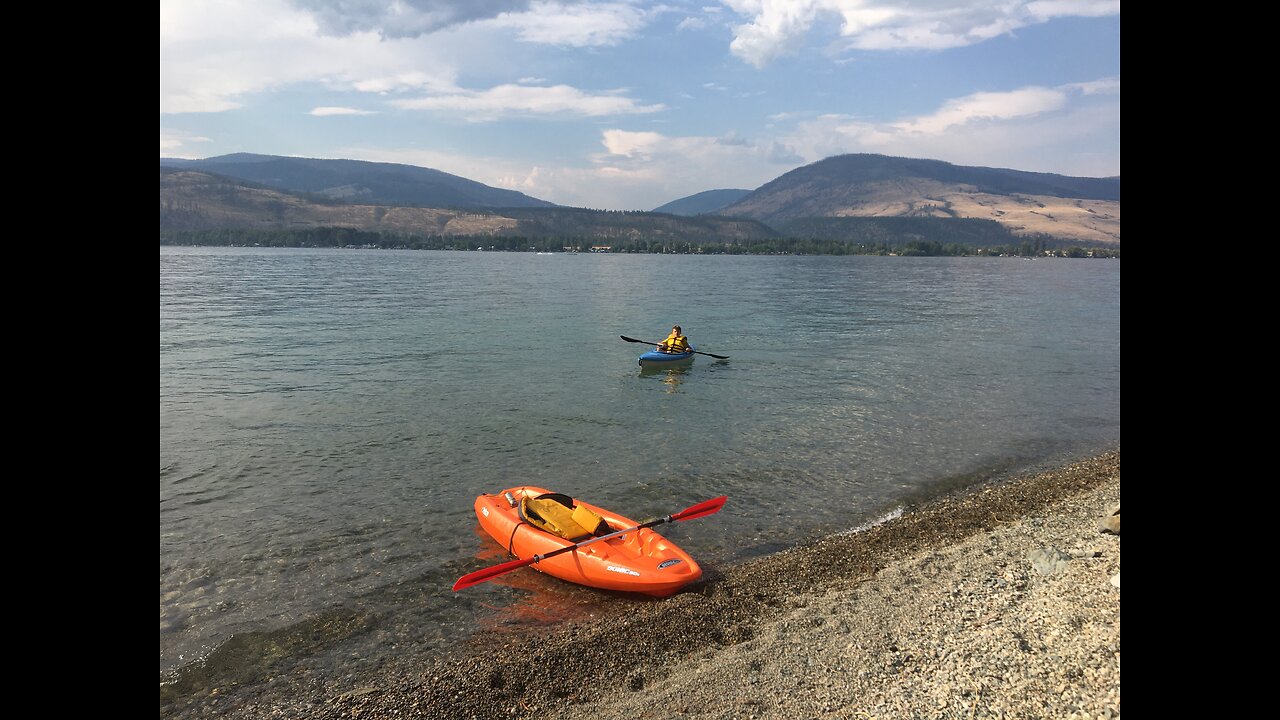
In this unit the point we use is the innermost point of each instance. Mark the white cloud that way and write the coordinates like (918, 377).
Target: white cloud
(173, 142)
(574, 25)
(779, 117)
(780, 154)
(692, 23)
(214, 53)
(402, 18)
(490, 170)
(779, 27)
(1047, 9)
(1105, 86)
(987, 106)
(631, 144)
(403, 81)
(330, 110)
(1071, 129)
(646, 169)
(636, 170)
(1066, 129)
(505, 100)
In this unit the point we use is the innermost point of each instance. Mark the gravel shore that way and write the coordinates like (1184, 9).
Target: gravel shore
(1003, 602)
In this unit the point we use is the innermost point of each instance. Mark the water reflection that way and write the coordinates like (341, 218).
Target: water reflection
(669, 376)
(534, 599)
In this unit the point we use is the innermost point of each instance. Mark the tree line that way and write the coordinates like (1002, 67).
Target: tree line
(337, 237)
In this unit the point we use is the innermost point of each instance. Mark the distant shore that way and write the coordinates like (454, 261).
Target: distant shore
(345, 238)
(1002, 601)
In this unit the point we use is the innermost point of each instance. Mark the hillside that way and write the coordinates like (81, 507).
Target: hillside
(703, 203)
(1070, 208)
(359, 181)
(191, 200)
(873, 202)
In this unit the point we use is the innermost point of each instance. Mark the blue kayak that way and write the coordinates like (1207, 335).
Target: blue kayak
(657, 358)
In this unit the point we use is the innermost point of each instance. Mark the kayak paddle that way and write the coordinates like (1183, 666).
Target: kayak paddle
(695, 352)
(693, 512)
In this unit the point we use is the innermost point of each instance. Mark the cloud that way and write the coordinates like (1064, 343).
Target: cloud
(692, 23)
(491, 170)
(537, 21)
(214, 53)
(575, 25)
(1049, 9)
(635, 170)
(173, 142)
(403, 81)
(505, 100)
(780, 154)
(1105, 86)
(631, 144)
(1072, 129)
(327, 111)
(779, 27)
(402, 18)
(643, 169)
(980, 106)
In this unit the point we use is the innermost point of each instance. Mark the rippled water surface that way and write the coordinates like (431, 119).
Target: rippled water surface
(327, 418)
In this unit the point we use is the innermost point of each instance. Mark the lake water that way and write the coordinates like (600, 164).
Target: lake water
(327, 418)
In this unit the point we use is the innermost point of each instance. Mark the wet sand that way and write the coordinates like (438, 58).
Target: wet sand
(1001, 602)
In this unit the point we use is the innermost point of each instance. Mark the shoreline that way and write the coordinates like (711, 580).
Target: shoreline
(938, 612)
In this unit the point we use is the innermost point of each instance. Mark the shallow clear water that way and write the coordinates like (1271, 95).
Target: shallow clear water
(327, 418)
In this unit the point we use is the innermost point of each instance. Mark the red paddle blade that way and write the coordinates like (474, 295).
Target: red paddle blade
(480, 576)
(702, 509)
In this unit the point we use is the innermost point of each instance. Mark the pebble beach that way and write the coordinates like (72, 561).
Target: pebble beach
(1001, 601)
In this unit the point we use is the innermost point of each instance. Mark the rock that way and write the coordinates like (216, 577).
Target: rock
(1111, 522)
(1116, 581)
(1048, 561)
(357, 693)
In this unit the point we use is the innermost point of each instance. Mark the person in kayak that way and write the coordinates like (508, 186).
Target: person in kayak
(676, 342)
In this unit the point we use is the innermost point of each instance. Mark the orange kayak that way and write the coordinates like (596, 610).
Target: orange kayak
(642, 561)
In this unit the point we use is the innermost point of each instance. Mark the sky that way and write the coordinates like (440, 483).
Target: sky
(626, 105)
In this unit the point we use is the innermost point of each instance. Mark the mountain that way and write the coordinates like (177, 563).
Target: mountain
(863, 186)
(197, 201)
(359, 181)
(704, 203)
(844, 203)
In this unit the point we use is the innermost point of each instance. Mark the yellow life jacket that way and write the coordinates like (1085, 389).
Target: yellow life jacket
(676, 343)
(557, 514)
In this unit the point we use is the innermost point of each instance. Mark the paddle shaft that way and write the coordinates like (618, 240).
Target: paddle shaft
(598, 538)
(695, 352)
(702, 509)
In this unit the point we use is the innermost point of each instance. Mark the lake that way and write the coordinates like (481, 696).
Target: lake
(327, 418)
